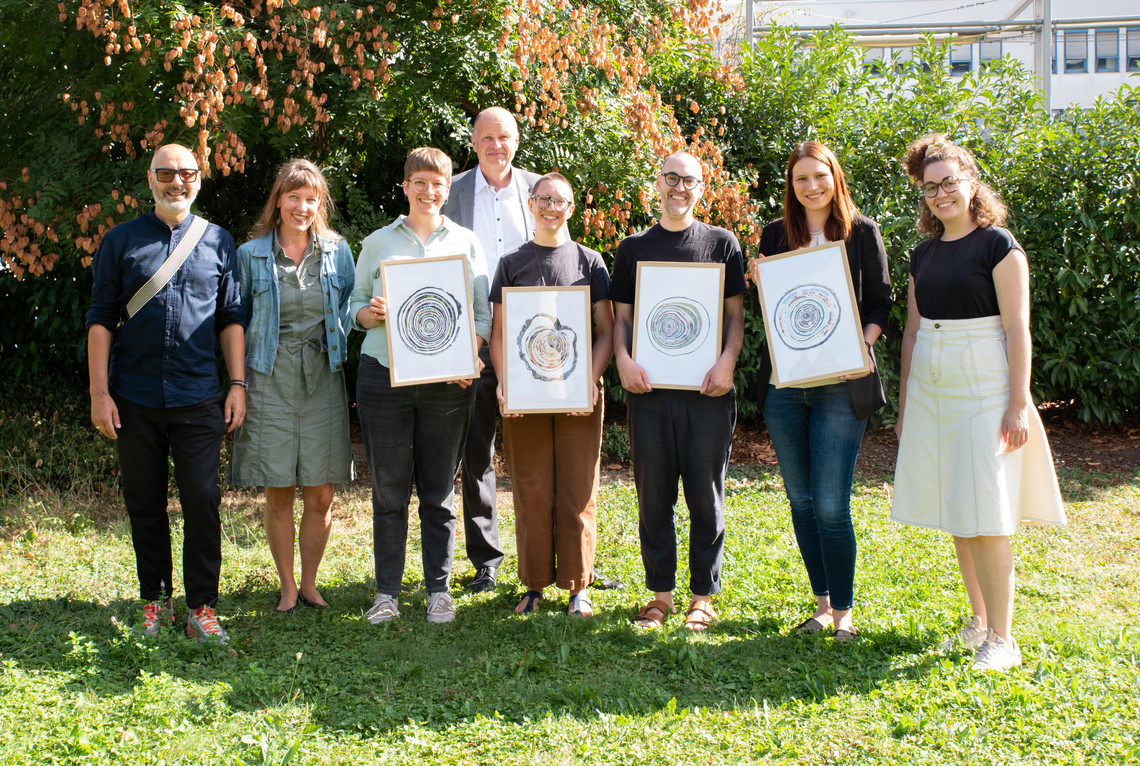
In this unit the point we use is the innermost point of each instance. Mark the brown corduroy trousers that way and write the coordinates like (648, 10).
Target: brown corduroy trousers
(553, 460)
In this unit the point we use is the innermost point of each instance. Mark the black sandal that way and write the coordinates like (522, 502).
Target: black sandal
(529, 602)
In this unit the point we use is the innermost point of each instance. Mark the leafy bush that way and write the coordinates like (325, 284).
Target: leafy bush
(48, 442)
(1069, 182)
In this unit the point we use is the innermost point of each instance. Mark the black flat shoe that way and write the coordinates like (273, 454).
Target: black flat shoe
(284, 612)
(310, 604)
(605, 582)
(485, 579)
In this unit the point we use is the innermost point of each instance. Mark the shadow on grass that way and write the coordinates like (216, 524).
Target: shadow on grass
(371, 679)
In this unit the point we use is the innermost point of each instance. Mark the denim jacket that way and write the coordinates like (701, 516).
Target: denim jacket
(257, 272)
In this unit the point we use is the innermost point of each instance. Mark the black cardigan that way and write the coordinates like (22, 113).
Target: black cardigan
(870, 277)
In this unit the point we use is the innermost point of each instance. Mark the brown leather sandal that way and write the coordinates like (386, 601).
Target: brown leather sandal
(699, 616)
(650, 621)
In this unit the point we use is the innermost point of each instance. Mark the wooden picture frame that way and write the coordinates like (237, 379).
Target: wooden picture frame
(811, 317)
(678, 320)
(430, 325)
(547, 349)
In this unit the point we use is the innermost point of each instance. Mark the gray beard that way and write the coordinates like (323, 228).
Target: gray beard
(175, 207)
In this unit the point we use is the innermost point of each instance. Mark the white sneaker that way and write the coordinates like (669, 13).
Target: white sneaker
(970, 637)
(997, 654)
(440, 607)
(384, 609)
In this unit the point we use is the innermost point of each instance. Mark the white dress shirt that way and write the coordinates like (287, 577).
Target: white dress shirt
(500, 219)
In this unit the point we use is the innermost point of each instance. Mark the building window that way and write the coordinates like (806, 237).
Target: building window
(988, 51)
(1054, 69)
(960, 61)
(1134, 50)
(1107, 50)
(873, 60)
(1076, 51)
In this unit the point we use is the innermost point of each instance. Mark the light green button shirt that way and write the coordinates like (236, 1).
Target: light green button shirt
(396, 241)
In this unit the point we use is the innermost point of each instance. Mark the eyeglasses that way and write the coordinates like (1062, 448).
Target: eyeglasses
(672, 179)
(546, 202)
(949, 184)
(422, 186)
(166, 175)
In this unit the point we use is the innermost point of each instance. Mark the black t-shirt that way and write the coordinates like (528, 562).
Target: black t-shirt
(567, 265)
(955, 280)
(699, 243)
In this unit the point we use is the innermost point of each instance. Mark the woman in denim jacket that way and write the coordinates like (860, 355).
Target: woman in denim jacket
(296, 277)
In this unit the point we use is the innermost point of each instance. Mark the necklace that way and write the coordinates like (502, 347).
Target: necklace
(537, 262)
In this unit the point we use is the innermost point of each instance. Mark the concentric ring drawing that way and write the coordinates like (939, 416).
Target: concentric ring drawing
(428, 320)
(548, 348)
(806, 316)
(677, 326)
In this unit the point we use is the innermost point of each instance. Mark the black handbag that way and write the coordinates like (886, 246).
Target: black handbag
(867, 395)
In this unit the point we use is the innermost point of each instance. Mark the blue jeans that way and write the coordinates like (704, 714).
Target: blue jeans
(816, 436)
(411, 433)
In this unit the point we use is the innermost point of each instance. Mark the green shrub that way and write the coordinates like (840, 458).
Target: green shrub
(49, 443)
(615, 444)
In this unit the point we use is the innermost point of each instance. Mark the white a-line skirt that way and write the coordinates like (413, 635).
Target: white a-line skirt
(951, 473)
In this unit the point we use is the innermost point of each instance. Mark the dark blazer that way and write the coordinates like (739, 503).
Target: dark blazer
(460, 205)
(870, 277)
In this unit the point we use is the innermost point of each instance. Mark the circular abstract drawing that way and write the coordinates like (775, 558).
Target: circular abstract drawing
(428, 321)
(677, 326)
(548, 348)
(806, 316)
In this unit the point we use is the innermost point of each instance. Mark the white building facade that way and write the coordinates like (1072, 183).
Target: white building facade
(1081, 49)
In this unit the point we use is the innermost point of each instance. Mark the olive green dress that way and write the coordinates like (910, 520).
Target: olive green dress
(296, 423)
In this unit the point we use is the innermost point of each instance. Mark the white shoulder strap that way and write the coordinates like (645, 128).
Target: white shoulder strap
(169, 267)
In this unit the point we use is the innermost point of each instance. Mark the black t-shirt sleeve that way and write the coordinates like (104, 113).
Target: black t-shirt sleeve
(622, 286)
(734, 283)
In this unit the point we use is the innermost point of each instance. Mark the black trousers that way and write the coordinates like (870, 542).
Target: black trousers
(192, 435)
(480, 512)
(681, 435)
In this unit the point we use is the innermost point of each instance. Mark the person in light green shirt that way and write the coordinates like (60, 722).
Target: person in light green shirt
(415, 432)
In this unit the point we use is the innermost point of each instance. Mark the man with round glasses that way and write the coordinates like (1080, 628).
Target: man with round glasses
(154, 382)
(680, 434)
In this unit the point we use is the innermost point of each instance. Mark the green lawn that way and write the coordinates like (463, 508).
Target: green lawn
(493, 687)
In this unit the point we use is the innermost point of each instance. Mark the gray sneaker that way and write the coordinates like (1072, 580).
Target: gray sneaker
(970, 637)
(384, 609)
(997, 654)
(156, 615)
(440, 607)
(202, 624)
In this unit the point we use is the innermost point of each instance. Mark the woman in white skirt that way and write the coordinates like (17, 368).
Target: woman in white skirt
(973, 456)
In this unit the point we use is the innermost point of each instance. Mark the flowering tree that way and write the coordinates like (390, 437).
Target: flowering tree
(247, 85)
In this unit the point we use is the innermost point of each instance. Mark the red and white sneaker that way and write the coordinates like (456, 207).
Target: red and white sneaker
(156, 614)
(202, 624)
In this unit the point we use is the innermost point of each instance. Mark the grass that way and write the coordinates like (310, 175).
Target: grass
(493, 687)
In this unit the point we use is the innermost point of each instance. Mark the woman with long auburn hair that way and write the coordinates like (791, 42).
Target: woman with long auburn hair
(296, 276)
(973, 457)
(816, 429)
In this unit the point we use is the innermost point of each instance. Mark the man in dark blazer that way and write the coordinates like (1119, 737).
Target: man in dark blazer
(491, 200)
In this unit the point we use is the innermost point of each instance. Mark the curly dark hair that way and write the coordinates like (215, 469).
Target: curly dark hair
(985, 207)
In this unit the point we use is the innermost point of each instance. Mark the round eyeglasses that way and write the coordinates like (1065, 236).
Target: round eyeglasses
(949, 184)
(672, 179)
(546, 202)
(421, 186)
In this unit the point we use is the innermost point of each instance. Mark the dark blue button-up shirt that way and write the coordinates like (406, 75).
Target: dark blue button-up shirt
(166, 356)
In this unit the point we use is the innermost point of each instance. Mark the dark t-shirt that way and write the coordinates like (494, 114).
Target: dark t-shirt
(699, 243)
(955, 280)
(567, 265)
